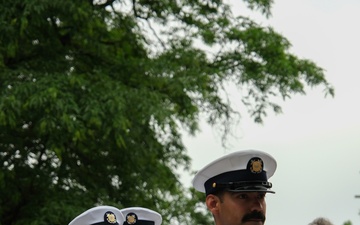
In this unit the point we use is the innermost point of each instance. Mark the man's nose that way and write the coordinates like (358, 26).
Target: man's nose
(257, 205)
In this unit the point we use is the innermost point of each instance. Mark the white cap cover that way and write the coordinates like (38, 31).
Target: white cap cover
(141, 216)
(99, 215)
(246, 170)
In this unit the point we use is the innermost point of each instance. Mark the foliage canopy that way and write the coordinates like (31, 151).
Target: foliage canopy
(94, 95)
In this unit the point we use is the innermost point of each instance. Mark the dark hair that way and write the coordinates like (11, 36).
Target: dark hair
(320, 221)
(220, 194)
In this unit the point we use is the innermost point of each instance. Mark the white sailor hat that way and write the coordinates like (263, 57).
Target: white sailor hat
(99, 215)
(141, 216)
(241, 171)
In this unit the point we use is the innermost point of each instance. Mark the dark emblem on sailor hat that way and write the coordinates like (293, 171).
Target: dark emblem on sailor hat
(131, 218)
(256, 165)
(110, 217)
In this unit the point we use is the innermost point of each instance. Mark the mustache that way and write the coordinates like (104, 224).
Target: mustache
(254, 215)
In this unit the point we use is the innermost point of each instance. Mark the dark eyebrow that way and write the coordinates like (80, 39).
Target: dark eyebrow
(238, 193)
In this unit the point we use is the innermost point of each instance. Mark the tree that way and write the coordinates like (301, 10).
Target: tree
(94, 93)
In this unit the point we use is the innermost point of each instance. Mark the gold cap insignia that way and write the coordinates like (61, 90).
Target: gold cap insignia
(110, 217)
(131, 218)
(256, 165)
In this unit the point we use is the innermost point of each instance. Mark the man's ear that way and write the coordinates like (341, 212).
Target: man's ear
(212, 203)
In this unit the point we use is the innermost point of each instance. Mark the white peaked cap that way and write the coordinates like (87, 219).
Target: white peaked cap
(99, 215)
(236, 167)
(141, 216)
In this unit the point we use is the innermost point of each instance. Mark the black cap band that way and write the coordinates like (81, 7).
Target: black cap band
(236, 180)
(141, 222)
(132, 219)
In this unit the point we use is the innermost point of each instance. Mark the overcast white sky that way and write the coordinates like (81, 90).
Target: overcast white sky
(316, 140)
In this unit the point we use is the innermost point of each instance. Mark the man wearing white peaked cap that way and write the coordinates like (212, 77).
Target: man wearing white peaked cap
(141, 216)
(99, 215)
(235, 186)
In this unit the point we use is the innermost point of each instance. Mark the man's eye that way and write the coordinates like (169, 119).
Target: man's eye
(242, 196)
(261, 196)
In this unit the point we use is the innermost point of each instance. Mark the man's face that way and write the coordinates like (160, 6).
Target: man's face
(242, 208)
